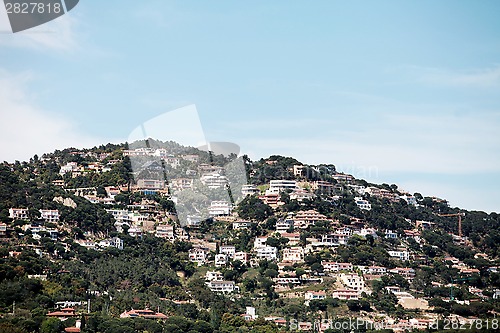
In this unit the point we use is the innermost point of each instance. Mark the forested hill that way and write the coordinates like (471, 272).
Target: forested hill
(96, 230)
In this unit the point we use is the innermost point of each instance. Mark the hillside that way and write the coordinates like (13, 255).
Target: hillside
(157, 237)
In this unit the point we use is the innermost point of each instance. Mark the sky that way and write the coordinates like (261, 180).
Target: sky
(397, 92)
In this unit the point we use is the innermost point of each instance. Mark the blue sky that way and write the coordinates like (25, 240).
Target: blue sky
(404, 92)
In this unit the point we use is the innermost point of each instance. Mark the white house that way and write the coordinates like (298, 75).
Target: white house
(214, 180)
(18, 213)
(267, 252)
(286, 280)
(88, 244)
(69, 167)
(135, 232)
(249, 190)
(3, 229)
(260, 242)
(346, 294)
(213, 276)
(366, 231)
(333, 266)
(239, 225)
(117, 242)
(293, 238)
(277, 186)
(165, 231)
(359, 189)
(376, 270)
(335, 239)
(312, 295)
(391, 234)
(220, 260)
(301, 195)
(352, 281)
(193, 220)
(198, 255)
(191, 158)
(228, 250)
(410, 199)
(284, 225)
(293, 254)
(362, 204)
(224, 287)
(120, 214)
(219, 208)
(49, 215)
(112, 242)
(242, 256)
(401, 255)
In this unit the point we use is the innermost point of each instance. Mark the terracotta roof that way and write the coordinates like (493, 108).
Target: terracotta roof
(149, 314)
(61, 314)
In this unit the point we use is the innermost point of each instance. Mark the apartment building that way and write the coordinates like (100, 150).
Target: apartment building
(249, 190)
(18, 213)
(218, 208)
(278, 186)
(49, 215)
(165, 231)
(224, 287)
(293, 254)
(352, 281)
(283, 225)
(333, 266)
(267, 252)
(198, 255)
(228, 250)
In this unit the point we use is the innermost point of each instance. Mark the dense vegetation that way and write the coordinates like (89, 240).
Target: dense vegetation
(154, 273)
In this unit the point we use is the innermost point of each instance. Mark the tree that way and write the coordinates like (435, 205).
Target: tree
(51, 325)
(180, 322)
(249, 284)
(277, 242)
(252, 208)
(101, 192)
(318, 305)
(299, 272)
(9, 328)
(202, 327)
(271, 223)
(354, 305)
(317, 267)
(272, 273)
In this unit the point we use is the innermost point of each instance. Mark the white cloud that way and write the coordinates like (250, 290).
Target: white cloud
(437, 143)
(434, 164)
(480, 78)
(458, 195)
(26, 130)
(58, 34)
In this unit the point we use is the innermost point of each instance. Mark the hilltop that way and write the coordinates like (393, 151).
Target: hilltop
(153, 236)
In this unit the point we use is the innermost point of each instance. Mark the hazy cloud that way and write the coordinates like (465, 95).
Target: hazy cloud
(26, 129)
(58, 34)
(480, 77)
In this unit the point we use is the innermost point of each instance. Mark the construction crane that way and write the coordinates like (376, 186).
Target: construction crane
(459, 221)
